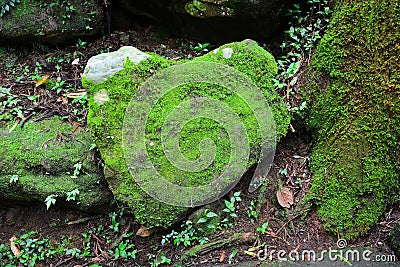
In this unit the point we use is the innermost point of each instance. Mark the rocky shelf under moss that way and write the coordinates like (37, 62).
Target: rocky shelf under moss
(46, 158)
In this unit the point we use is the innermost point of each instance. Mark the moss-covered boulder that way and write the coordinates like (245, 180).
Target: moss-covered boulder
(110, 99)
(46, 158)
(354, 85)
(50, 22)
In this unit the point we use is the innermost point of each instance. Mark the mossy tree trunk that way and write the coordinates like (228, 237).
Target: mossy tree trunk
(354, 85)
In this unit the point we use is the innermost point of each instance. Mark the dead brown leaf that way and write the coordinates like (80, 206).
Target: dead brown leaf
(273, 234)
(223, 256)
(76, 127)
(285, 197)
(14, 248)
(62, 99)
(144, 232)
(246, 236)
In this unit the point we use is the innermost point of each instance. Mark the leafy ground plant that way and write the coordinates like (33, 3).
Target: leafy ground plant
(230, 210)
(50, 200)
(252, 211)
(72, 195)
(9, 105)
(124, 250)
(6, 5)
(197, 233)
(305, 32)
(26, 250)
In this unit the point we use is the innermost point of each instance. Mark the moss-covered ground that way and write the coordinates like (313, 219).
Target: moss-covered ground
(355, 91)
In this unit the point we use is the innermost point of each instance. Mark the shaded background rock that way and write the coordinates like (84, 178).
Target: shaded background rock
(51, 22)
(41, 158)
(215, 20)
(54, 22)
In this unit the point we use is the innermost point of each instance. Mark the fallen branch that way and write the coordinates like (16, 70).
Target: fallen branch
(82, 220)
(207, 248)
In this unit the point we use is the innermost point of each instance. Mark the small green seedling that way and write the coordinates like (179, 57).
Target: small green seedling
(263, 228)
(50, 200)
(77, 170)
(14, 179)
(200, 47)
(72, 194)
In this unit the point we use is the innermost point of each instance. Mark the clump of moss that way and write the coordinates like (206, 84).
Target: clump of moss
(260, 66)
(42, 156)
(106, 130)
(355, 89)
(106, 120)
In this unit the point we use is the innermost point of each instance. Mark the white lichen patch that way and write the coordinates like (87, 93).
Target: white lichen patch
(101, 97)
(227, 52)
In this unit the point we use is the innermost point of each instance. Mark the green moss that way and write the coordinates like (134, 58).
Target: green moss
(202, 9)
(263, 69)
(107, 134)
(43, 156)
(106, 121)
(355, 88)
(38, 19)
(195, 8)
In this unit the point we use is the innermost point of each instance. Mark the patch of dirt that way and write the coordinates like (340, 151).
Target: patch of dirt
(295, 228)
